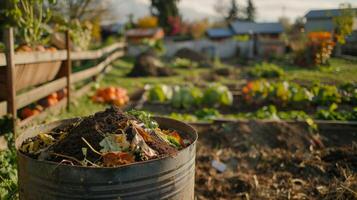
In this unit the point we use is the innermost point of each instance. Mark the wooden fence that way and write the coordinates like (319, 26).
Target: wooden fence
(11, 99)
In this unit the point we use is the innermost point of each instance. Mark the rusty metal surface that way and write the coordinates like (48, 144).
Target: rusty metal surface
(165, 178)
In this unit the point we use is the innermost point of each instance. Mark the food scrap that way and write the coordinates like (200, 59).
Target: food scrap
(109, 138)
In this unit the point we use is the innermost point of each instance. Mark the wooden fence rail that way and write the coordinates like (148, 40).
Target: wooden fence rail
(9, 60)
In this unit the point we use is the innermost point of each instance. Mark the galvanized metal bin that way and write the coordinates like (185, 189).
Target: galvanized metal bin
(165, 178)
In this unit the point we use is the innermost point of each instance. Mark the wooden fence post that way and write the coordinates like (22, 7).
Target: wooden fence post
(10, 77)
(68, 70)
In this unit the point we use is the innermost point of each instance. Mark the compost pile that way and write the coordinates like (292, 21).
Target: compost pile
(106, 139)
(273, 161)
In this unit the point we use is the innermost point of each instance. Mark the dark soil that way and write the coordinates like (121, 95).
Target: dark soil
(91, 129)
(273, 161)
(149, 64)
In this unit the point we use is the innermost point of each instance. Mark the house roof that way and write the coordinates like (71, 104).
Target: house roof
(219, 32)
(242, 27)
(325, 13)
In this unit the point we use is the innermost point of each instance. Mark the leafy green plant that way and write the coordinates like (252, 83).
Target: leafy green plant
(145, 117)
(216, 95)
(348, 93)
(159, 93)
(325, 94)
(333, 114)
(80, 33)
(8, 172)
(183, 117)
(30, 16)
(186, 97)
(207, 114)
(266, 70)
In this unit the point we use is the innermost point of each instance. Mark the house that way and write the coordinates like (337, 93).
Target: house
(261, 30)
(265, 37)
(322, 20)
(138, 34)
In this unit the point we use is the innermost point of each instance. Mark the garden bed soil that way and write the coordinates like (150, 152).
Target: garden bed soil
(273, 161)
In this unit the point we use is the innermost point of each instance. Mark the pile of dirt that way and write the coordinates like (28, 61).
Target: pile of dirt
(107, 138)
(195, 56)
(149, 64)
(272, 161)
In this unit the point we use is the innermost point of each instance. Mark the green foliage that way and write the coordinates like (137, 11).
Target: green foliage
(266, 70)
(216, 95)
(8, 172)
(325, 94)
(80, 33)
(30, 17)
(289, 93)
(145, 117)
(250, 12)
(344, 23)
(184, 63)
(278, 92)
(271, 112)
(348, 92)
(156, 45)
(186, 97)
(183, 117)
(163, 9)
(207, 114)
(233, 13)
(189, 97)
(159, 93)
(333, 114)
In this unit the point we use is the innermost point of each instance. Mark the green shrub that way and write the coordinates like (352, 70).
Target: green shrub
(184, 63)
(216, 95)
(266, 70)
(186, 97)
(8, 172)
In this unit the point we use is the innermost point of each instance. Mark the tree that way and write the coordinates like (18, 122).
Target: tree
(233, 13)
(250, 12)
(163, 9)
(82, 10)
(344, 23)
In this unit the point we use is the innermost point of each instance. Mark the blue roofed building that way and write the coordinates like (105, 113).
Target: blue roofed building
(322, 20)
(267, 29)
(263, 38)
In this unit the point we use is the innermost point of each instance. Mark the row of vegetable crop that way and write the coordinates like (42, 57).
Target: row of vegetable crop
(269, 112)
(288, 93)
(188, 97)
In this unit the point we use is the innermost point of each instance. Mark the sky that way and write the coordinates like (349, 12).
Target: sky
(267, 10)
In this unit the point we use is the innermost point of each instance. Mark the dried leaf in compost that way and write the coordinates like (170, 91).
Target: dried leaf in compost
(145, 135)
(138, 143)
(117, 158)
